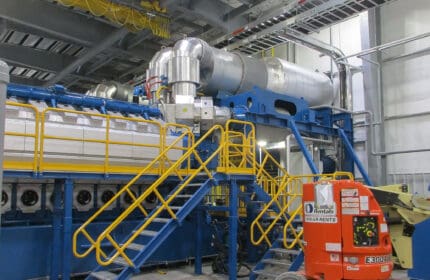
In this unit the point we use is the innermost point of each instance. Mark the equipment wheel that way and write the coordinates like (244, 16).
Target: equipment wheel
(290, 276)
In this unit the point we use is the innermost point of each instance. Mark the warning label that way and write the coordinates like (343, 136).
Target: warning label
(322, 215)
(349, 192)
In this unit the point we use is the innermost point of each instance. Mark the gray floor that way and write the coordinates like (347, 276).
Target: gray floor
(187, 273)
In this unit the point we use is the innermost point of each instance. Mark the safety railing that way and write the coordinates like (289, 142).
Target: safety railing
(186, 135)
(104, 141)
(240, 146)
(76, 146)
(107, 235)
(285, 208)
(32, 164)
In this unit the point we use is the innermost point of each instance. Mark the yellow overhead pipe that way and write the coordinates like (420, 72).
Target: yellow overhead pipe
(133, 19)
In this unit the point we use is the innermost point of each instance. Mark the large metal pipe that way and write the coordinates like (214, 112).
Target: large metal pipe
(345, 78)
(4, 80)
(195, 63)
(158, 65)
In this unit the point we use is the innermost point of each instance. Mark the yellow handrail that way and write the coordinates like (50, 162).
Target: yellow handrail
(106, 140)
(34, 135)
(105, 235)
(245, 145)
(288, 193)
(82, 228)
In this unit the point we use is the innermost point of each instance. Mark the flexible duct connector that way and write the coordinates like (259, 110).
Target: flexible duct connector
(194, 63)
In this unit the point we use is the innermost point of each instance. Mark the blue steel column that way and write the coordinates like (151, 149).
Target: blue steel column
(302, 145)
(67, 234)
(357, 161)
(56, 231)
(232, 221)
(199, 241)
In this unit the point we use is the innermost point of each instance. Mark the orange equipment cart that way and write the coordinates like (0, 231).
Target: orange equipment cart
(345, 232)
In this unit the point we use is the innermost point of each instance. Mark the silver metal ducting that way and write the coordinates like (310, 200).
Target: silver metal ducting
(195, 63)
(113, 90)
(158, 65)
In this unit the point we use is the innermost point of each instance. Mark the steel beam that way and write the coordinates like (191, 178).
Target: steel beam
(25, 81)
(212, 12)
(37, 59)
(106, 43)
(40, 16)
(34, 58)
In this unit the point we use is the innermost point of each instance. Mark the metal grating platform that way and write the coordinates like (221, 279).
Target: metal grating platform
(304, 16)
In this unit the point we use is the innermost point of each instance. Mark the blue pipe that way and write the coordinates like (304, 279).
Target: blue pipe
(58, 94)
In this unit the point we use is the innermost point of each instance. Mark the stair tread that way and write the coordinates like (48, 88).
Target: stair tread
(135, 247)
(284, 251)
(265, 273)
(121, 261)
(161, 220)
(149, 232)
(275, 262)
(288, 239)
(172, 207)
(104, 275)
(194, 184)
(182, 196)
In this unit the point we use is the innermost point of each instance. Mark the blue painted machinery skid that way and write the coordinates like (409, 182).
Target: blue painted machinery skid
(38, 243)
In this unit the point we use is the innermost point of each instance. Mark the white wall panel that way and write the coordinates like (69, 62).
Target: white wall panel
(406, 86)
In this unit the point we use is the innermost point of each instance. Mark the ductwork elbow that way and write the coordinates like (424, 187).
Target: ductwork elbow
(190, 55)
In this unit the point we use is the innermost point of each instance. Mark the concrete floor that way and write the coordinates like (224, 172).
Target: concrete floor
(186, 272)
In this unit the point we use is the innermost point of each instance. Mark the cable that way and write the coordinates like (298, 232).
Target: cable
(126, 16)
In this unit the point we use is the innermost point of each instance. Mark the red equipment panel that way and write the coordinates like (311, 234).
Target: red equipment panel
(345, 232)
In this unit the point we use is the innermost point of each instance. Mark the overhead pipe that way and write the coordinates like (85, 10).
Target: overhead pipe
(195, 64)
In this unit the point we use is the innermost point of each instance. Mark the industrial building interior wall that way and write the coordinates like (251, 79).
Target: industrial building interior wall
(406, 83)
(347, 37)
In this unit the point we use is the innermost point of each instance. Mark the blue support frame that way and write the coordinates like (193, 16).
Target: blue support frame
(67, 229)
(198, 263)
(302, 145)
(233, 225)
(351, 152)
(56, 228)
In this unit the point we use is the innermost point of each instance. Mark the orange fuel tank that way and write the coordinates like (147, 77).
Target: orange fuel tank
(345, 232)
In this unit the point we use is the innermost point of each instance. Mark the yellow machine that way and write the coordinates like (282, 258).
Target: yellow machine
(407, 216)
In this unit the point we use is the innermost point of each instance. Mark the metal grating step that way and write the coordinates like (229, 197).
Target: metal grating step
(284, 251)
(182, 196)
(148, 232)
(276, 262)
(266, 274)
(104, 275)
(161, 220)
(120, 261)
(135, 247)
